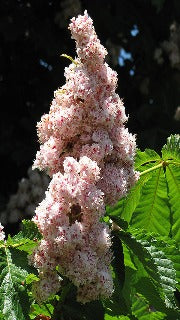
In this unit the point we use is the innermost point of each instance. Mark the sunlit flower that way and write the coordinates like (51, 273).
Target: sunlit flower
(89, 153)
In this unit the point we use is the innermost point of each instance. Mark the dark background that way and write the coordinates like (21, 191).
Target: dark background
(33, 34)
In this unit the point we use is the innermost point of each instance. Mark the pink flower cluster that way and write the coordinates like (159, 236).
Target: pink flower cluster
(89, 153)
(73, 237)
(2, 234)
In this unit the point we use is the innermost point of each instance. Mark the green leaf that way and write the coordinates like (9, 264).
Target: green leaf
(31, 278)
(45, 309)
(128, 259)
(14, 301)
(126, 206)
(20, 259)
(143, 311)
(30, 230)
(157, 266)
(27, 239)
(171, 251)
(118, 223)
(162, 262)
(138, 282)
(165, 244)
(144, 158)
(116, 305)
(22, 244)
(108, 317)
(173, 181)
(152, 212)
(171, 150)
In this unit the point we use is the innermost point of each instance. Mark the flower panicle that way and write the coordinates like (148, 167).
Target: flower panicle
(89, 154)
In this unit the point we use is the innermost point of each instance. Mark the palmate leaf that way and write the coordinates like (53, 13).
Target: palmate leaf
(161, 259)
(143, 158)
(171, 154)
(22, 244)
(14, 301)
(164, 205)
(154, 202)
(27, 239)
(126, 206)
(173, 181)
(167, 249)
(157, 266)
(152, 212)
(171, 150)
(142, 295)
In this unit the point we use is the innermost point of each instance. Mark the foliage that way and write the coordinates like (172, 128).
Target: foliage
(154, 202)
(146, 264)
(14, 268)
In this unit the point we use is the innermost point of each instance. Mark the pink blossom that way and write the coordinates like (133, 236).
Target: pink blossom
(68, 219)
(2, 234)
(48, 285)
(89, 154)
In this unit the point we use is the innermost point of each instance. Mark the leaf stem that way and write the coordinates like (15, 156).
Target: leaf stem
(162, 164)
(173, 162)
(16, 245)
